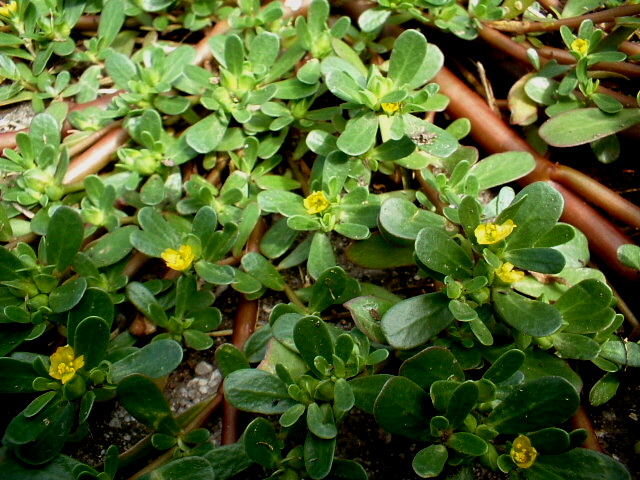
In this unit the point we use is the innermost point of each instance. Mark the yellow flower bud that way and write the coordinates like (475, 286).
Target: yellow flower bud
(316, 203)
(522, 452)
(180, 259)
(581, 46)
(8, 10)
(390, 108)
(64, 364)
(490, 233)
(507, 274)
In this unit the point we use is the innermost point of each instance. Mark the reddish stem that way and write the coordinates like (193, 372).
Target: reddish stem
(581, 420)
(495, 136)
(95, 158)
(243, 326)
(519, 51)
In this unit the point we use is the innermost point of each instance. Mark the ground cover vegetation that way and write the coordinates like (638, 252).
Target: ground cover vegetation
(181, 149)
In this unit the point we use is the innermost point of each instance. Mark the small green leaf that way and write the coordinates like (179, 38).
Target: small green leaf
(604, 389)
(257, 391)
(155, 360)
(439, 252)
(359, 134)
(429, 462)
(467, 444)
(258, 266)
(320, 421)
(402, 408)
(408, 47)
(415, 320)
(229, 359)
(193, 468)
(64, 237)
(312, 338)
(67, 295)
(146, 403)
(318, 455)
(261, 444)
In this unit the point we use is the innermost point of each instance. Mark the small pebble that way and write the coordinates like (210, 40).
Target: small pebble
(203, 369)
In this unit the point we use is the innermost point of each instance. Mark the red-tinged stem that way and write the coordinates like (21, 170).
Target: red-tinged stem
(203, 52)
(95, 158)
(608, 15)
(519, 51)
(91, 139)
(581, 420)
(8, 139)
(243, 326)
(495, 136)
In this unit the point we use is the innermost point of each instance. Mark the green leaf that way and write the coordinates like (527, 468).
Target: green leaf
(312, 338)
(16, 376)
(429, 462)
(505, 366)
(94, 302)
(467, 444)
(621, 352)
(229, 359)
(402, 408)
(257, 391)
(258, 266)
(91, 339)
(332, 287)
(359, 134)
(320, 421)
(604, 389)
(585, 307)
(529, 316)
(155, 360)
(67, 295)
(64, 237)
(215, 274)
(539, 363)
(366, 389)
(111, 20)
(112, 247)
(9, 265)
(367, 312)
(321, 255)
(192, 468)
(197, 339)
(462, 401)
(408, 47)
(544, 402)
(376, 252)
(264, 49)
(146, 403)
(537, 209)
(629, 255)
(121, 69)
(318, 455)
(261, 444)
(439, 252)
(577, 463)
(205, 135)
(585, 125)
(415, 320)
(430, 365)
(501, 168)
(400, 221)
(541, 260)
(579, 347)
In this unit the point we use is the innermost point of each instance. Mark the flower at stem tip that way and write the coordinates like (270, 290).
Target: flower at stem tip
(9, 9)
(508, 274)
(581, 46)
(64, 364)
(390, 107)
(316, 203)
(522, 452)
(180, 259)
(490, 233)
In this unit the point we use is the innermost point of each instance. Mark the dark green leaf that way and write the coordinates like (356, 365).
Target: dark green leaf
(257, 391)
(529, 316)
(64, 237)
(403, 408)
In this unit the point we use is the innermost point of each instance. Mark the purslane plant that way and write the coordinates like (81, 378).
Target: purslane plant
(311, 127)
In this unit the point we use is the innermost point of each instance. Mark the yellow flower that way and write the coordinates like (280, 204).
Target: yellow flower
(180, 259)
(9, 9)
(390, 108)
(580, 45)
(316, 203)
(490, 233)
(522, 452)
(64, 364)
(507, 274)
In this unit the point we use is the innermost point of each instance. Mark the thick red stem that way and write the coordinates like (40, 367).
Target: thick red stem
(95, 158)
(243, 326)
